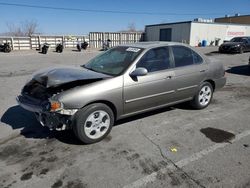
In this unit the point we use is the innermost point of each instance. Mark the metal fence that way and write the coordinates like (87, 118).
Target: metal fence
(95, 40)
(34, 42)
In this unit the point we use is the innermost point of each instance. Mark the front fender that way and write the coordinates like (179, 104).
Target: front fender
(106, 90)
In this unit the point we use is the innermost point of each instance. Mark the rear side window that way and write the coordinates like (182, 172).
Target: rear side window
(183, 56)
(197, 58)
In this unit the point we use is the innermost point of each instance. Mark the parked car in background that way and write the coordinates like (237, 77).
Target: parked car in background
(121, 82)
(236, 45)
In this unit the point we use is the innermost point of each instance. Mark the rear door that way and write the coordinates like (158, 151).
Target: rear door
(190, 70)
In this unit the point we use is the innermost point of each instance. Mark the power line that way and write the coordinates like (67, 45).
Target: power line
(104, 11)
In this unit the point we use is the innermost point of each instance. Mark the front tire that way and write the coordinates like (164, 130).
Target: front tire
(93, 123)
(203, 97)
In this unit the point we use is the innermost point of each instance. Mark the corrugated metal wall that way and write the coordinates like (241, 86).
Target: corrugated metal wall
(96, 39)
(180, 32)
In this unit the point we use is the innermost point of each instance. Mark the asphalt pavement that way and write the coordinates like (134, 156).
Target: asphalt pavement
(171, 147)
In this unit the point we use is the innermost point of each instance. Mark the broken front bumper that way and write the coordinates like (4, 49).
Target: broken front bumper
(60, 120)
(32, 104)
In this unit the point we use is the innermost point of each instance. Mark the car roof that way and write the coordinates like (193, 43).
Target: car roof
(243, 37)
(153, 44)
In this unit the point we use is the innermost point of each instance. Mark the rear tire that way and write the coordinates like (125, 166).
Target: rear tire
(203, 97)
(93, 123)
(241, 50)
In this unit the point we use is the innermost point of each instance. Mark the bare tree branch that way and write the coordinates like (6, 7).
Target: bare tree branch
(26, 28)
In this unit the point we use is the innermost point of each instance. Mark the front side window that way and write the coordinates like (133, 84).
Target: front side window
(114, 61)
(183, 56)
(155, 59)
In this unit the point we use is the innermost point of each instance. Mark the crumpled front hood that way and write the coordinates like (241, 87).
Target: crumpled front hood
(53, 77)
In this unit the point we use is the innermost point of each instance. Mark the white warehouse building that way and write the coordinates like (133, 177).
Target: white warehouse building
(196, 32)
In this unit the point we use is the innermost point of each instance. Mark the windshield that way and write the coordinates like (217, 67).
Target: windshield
(238, 39)
(114, 61)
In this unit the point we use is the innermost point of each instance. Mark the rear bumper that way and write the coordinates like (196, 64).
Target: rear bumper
(229, 50)
(219, 83)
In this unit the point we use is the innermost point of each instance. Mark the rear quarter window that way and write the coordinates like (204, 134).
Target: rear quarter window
(197, 58)
(183, 56)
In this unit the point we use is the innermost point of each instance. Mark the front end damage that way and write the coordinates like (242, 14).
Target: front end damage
(37, 98)
(40, 93)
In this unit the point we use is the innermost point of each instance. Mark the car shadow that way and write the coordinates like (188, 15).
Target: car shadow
(218, 53)
(182, 106)
(143, 115)
(212, 53)
(240, 70)
(19, 118)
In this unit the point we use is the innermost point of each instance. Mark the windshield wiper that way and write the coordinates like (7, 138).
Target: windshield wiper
(89, 68)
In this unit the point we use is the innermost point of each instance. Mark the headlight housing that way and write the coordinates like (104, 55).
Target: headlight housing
(55, 105)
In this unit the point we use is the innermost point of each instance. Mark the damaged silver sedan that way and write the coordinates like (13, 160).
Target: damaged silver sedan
(124, 81)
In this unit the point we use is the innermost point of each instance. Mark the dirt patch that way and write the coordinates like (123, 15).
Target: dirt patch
(44, 171)
(148, 166)
(26, 176)
(133, 157)
(57, 184)
(76, 184)
(9, 151)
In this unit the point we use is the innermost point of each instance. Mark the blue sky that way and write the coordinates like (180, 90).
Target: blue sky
(80, 22)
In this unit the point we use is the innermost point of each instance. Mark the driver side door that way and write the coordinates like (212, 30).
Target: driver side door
(154, 89)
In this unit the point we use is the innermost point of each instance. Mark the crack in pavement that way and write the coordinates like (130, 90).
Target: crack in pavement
(169, 160)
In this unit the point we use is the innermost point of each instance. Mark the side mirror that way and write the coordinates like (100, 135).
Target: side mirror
(140, 71)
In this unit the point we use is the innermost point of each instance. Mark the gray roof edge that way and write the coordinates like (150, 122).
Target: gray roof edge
(168, 23)
(221, 23)
(246, 15)
(218, 23)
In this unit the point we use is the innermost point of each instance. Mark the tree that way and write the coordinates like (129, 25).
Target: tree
(26, 28)
(131, 27)
(29, 28)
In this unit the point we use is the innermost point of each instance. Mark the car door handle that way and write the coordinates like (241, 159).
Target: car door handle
(203, 70)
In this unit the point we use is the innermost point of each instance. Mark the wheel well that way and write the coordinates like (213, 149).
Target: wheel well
(212, 83)
(109, 104)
